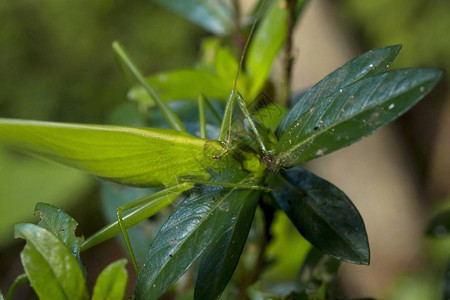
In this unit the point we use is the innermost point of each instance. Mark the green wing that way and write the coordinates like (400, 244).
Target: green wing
(132, 156)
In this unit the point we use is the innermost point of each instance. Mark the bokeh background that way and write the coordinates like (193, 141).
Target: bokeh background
(56, 64)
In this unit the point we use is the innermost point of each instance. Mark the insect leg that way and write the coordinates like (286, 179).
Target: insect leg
(141, 210)
(201, 112)
(231, 184)
(168, 114)
(213, 111)
(244, 109)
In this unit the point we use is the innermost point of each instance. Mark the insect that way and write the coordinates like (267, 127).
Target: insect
(226, 177)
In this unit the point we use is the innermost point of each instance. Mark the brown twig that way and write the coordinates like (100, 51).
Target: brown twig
(288, 56)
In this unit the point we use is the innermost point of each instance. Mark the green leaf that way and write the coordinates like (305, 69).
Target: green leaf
(226, 66)
(1, 296)
(200, 220)
(20, 280)
(266, 42)
(370, 63)
(53, 271)
(212, 15)
(61, 225)
(133, 156)
(439, 226)
(323, 214)
(352, 113)
(222, 255)
(181, 84)
(112, 282)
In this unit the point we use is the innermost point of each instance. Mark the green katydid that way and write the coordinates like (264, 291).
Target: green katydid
(227, 176)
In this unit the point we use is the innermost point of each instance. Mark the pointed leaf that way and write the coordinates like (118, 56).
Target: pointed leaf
(352, 113)
(53, 272)
(267, 41)
(62, 225)
(181, 84)
(199, 221)
(212, 15)
(112, 282)
(323, 214)
(368, 64)
(133, 156)
(222, 255)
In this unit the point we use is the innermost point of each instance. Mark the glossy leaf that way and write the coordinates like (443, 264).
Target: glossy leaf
(112, 282)
(181, 84)
(62, 225)
(205, 216)
(133, 156)
(322, 213)
(439, 226)
(370, 63)
(267, 41)
(1, 296)
(222, 255)
(352, 113)
(53, 272)
(212, 15)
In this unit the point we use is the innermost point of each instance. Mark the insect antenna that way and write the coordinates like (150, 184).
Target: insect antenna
(225, 129)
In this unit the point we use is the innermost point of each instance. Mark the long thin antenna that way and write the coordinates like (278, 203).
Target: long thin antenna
(231, 101)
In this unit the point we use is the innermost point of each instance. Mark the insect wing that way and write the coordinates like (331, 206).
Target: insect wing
(132, 156)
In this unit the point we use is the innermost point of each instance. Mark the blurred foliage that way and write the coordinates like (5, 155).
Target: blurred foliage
(420, 25)
(25, 181)
(57, 61)
(57, 64)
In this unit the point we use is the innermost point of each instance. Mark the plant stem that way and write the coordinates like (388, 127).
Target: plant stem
(288, 56)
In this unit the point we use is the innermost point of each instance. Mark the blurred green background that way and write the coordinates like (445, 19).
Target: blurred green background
(56, 64)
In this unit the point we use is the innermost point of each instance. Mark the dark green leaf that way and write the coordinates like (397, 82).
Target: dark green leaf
(62, 225)
(222, 255)
(181, 84)
(353, 112)
(267, 41)
(212, 15)
(368, 64)
(112, 282)
(53, 272)
(323, 214)
(439, 226)
(201, 219)
(317, 272)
